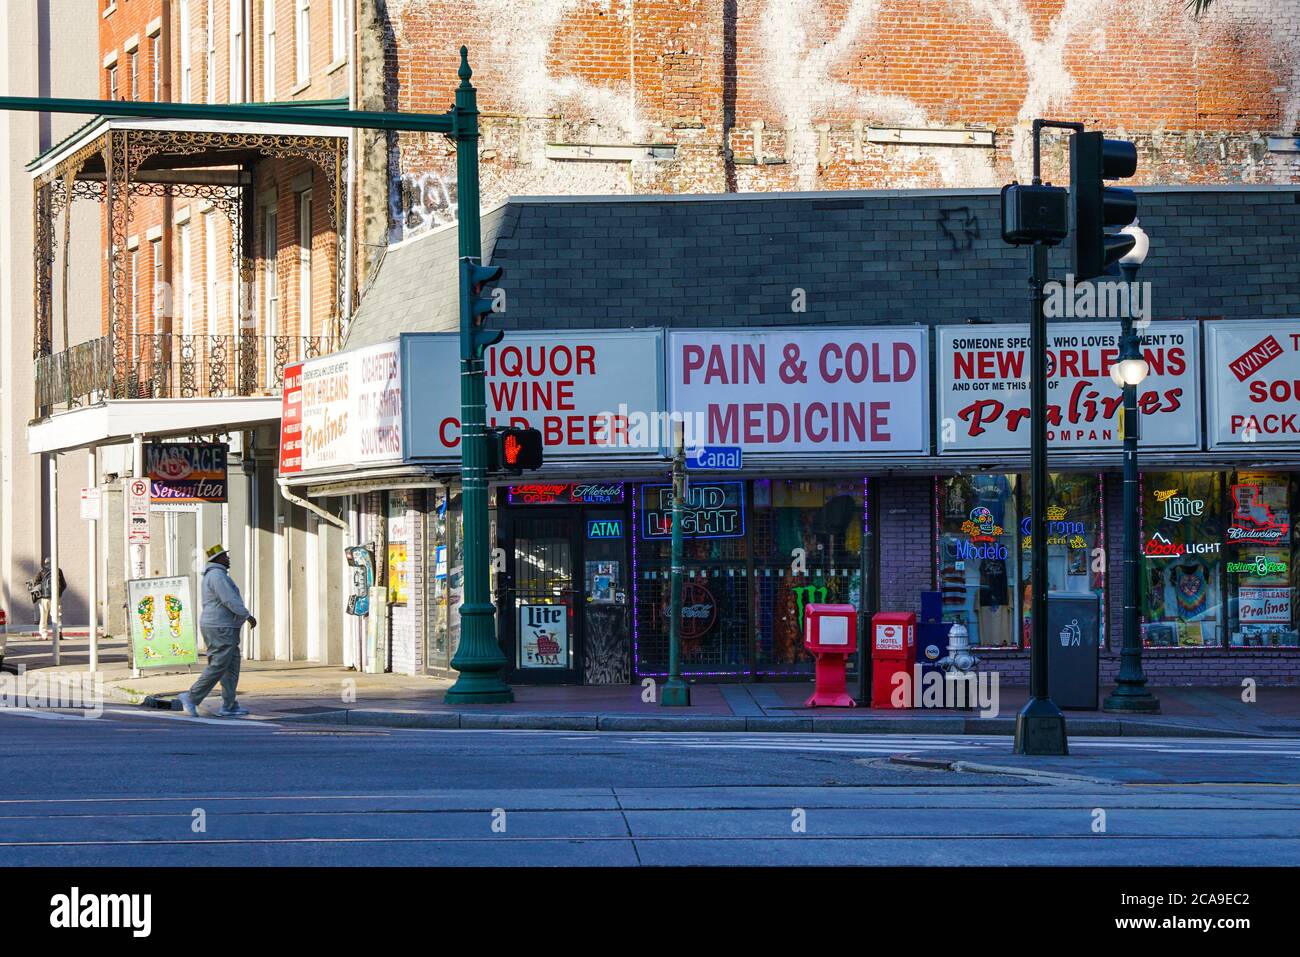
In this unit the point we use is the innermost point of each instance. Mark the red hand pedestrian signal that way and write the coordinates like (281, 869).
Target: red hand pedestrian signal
(514, 450)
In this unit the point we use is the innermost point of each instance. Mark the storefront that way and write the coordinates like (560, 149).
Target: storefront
(827, 421)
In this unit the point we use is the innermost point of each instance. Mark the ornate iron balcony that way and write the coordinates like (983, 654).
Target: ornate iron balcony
(170, 366)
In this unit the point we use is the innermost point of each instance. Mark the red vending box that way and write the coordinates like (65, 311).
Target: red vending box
(893, 650)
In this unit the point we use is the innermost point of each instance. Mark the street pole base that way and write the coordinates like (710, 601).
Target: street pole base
(479, 689)
(676, 694)
(1125, 701)
(1040, 729)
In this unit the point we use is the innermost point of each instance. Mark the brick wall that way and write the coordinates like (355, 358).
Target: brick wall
(906, 541)
(782, 94)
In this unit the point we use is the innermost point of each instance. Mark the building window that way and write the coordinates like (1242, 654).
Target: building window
(112, 82)
(210, 271)
(268, 49)
(134, 80)
(156, 43)
(133, 312)
(1074, 535)
(339, 26)
(210, 53)
(304, 263)
(302, 42)
(1260, 562)
(183, 40)
(979, 524)
(187, 281)
(236, 52)
(270, 274)
(161, 294)
(1182, 563)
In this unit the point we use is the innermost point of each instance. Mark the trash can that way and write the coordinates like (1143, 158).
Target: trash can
(1073, 636)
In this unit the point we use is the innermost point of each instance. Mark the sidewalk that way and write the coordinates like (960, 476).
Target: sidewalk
(301, 691)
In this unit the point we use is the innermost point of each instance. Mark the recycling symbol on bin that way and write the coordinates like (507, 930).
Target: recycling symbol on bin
(1071, 634)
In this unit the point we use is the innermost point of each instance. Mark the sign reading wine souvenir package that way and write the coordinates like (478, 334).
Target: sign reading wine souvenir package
(589, 392)
(983, 388)
(1253, 380)
(798, 390)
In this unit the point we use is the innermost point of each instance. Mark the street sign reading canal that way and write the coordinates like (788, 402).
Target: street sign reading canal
(715, 458)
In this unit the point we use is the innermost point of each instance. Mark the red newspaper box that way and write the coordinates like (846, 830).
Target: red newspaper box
(893, 650)
(830, 632)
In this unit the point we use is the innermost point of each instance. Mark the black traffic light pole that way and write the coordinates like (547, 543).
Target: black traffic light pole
(1040, 725)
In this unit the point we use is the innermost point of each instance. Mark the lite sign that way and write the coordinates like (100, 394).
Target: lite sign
(983, 388)
(840, 390)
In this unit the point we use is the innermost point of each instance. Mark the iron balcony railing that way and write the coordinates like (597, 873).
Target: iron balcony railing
(170, 366)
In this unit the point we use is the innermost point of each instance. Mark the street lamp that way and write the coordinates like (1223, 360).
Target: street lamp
(1131, 694)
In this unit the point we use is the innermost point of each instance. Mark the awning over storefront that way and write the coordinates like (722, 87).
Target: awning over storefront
(117, 420)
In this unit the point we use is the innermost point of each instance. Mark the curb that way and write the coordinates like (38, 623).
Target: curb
(944, 727)
(973, 767)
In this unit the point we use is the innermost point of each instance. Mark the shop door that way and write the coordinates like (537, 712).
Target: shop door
(606, 651)
(541, 600)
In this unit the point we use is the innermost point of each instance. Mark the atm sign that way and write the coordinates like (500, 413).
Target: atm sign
(604, 528)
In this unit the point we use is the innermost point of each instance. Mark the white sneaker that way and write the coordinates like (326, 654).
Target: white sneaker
(187, 704)
(235, 712)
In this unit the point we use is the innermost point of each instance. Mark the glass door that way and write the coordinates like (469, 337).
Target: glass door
(540, 598)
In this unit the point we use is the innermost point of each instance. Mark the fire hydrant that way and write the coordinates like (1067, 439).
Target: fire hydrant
(958, 668)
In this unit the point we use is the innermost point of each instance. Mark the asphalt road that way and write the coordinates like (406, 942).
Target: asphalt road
(138, 787)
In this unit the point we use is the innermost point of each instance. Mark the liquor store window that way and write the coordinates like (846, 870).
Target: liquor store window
(1259, 560)
(984, 548)
(1182, 545)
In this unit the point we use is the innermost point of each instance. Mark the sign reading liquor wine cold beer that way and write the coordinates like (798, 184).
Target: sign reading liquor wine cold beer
(589, 392)
(827, 390)
(983, 387)
(1253, 382)
(342, 410)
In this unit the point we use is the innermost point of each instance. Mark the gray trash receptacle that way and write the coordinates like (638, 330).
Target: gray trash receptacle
(1073, 633)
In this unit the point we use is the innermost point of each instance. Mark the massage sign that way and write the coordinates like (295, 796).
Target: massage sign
(1253, 381)
(827, 391)
(983, 387)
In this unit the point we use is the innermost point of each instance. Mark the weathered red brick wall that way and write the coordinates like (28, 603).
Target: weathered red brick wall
(782, 94)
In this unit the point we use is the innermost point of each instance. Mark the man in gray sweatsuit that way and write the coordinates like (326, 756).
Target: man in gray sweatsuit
(221, 619)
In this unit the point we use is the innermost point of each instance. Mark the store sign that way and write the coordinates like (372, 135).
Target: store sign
(1178, 507)
(1253, 381)
(186, 472)
(711, 510)
(566, 493)
(699, 611)
(543, 636)
(342, 411)
(90, 503)
(1161, 547)
(1260, 606)
(596, 392)
(1261, 565)
(162, 622)
(983, 387)
(1252, 519)
(604, 528)
(821, 391)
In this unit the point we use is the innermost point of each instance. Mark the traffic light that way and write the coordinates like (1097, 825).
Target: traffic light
(1093, 158)
(475, 307)
(1034, 214)
(514, 450)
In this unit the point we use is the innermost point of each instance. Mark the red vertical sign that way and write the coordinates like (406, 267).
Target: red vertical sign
(291, 420)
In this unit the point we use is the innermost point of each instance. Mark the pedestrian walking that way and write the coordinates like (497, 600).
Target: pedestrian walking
(42, 594)
(221, 618)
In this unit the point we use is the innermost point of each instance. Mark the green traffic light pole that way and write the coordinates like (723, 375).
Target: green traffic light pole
(478, 657)
(676, 693)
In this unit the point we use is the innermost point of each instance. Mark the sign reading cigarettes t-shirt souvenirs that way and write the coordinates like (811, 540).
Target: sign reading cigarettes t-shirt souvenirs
(342, 410)
(983, 387)
(588, 392)
(833, 390)
(1252, 375)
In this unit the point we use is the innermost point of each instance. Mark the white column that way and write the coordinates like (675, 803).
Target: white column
(139, 557)
(92, 565)
(56, 612)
